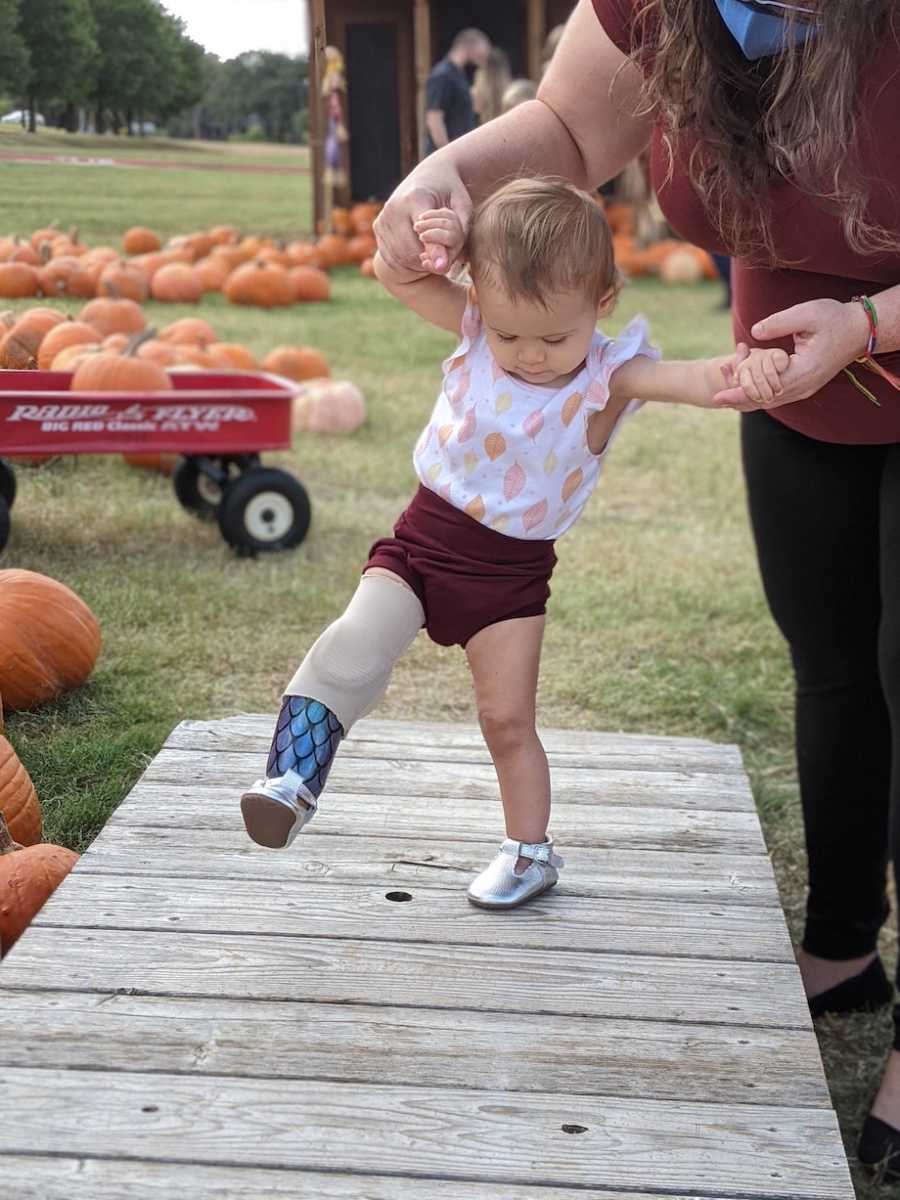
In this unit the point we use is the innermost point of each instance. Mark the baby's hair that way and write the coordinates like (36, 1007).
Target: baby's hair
(535, 237)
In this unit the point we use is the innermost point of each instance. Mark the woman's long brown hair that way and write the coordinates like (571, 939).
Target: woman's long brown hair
(748, 124)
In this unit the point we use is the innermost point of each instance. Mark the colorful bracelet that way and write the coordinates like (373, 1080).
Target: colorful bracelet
(872, 318)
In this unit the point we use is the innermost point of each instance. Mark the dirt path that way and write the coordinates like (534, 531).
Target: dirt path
(73, 160)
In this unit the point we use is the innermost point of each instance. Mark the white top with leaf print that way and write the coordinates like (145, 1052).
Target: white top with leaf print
(514, 455)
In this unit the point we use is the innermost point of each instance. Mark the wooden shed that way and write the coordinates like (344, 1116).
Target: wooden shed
(390, 47)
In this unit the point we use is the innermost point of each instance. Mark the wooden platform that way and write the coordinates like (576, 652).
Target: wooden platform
(192, 1017)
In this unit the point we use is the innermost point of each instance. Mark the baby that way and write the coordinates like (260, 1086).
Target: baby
(532, 398)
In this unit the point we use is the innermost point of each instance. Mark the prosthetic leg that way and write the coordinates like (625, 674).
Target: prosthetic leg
(342, 678)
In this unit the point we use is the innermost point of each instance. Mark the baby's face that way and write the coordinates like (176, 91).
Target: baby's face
(537, 344)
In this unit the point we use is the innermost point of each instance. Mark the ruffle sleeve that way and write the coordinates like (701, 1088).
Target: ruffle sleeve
(608, 354)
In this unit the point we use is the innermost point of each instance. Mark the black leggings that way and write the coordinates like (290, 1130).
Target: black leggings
(826, 519)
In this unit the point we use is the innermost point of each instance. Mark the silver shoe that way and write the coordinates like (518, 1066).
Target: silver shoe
(498, 885)
(272, 810)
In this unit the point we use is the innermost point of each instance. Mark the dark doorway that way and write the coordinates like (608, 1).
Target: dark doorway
(502, 20)
(373, 101)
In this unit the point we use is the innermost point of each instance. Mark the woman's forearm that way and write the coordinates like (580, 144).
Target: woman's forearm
(529, 140)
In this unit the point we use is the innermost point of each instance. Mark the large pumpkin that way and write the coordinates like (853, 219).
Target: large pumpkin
(17, 280)
(27, 879)
(309, 283)
(49, 638)
(67, 333)
(113, 316)
(140, 240)
(261, 283)
(123, 282)
(19, 805)
(125, 372)
(296, 362)
(177, 283)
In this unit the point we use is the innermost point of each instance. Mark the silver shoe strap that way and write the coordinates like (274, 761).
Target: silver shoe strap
(541, 852)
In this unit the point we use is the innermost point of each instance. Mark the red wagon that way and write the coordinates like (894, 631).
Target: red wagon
(218, 421)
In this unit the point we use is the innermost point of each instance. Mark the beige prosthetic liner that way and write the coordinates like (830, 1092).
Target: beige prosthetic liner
(349, 666)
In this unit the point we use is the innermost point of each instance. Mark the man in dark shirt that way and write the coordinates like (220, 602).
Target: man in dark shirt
(448, 102)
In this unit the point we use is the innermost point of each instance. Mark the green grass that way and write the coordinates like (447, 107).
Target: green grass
(657, 621)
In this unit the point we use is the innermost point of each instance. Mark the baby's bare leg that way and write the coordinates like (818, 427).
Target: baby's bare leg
(505, 660)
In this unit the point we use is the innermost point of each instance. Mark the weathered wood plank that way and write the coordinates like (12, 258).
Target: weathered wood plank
(482, 1136)
(188, 805)
(198, 853)
(472, 781)
(459, 743)
(443, 1048)
(304, 909)
(269, 967)
(34, 1178)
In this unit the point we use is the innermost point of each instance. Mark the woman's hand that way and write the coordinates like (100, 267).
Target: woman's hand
(827, 336)
(433, 185)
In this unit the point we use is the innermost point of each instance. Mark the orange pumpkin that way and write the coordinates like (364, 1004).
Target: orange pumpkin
(27, 878)
(162, 353)
(363, 216)
(177, 283)
(361, 247)
(22, 252)
(46, 234)
(19, 347)
(19, 805)
(296, 362)
(108, 372)
(116, 342)
(304, 254)
(123, 281)
(342, 222)
(70, 358)
(309, 284)
(49, 638)
(212, 273)
(17, 280)
(164, 463)
(189, 331)
(333, 250)
(232, 354)
(263, 284)
(114, 316)
(67, 333)
(222, 235)
(140, 240)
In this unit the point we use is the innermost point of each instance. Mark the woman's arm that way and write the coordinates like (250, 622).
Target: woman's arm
(581, 127)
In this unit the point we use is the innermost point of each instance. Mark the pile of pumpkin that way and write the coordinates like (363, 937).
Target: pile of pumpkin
(49, 642)
(109, 347)
(673, 260)
(248, 269)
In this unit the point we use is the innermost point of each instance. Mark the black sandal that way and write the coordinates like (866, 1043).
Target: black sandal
(878, 1149)
(869, 990)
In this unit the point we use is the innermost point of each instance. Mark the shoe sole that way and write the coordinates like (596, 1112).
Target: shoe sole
(268, 822)
(518, 904)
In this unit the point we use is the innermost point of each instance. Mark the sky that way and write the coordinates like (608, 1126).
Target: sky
(228, 27)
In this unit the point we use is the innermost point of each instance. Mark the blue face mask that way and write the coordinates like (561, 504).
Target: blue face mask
(759, 32)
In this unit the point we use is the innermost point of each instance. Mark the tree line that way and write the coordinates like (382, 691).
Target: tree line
(117, 64)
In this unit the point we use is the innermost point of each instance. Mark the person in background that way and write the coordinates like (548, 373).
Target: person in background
(449, 112)
(490, 84)
(518, 92)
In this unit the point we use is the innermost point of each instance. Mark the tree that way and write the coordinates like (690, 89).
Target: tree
(61, 38)
(15, 61)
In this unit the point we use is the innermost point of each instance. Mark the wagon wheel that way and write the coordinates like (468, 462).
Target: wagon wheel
(4, 523)
(265, 509)
(7, 483)
(200, 482)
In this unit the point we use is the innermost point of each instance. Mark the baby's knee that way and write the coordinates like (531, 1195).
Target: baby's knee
(505, 728)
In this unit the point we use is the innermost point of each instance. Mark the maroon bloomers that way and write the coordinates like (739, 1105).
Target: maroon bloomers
(465, 575)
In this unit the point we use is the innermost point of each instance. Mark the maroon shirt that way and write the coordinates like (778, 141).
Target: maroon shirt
(822, 264)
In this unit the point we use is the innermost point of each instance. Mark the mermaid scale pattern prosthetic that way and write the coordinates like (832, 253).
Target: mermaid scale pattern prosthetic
(306, 738)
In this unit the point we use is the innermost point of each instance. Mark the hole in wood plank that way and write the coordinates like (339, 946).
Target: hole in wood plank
(401, 896)
(150, 1108)
(574, 1128)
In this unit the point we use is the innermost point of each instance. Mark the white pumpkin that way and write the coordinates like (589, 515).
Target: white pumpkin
(328, 406)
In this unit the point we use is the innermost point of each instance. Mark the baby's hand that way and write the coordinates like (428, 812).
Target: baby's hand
(442, 236)
(756, 372)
